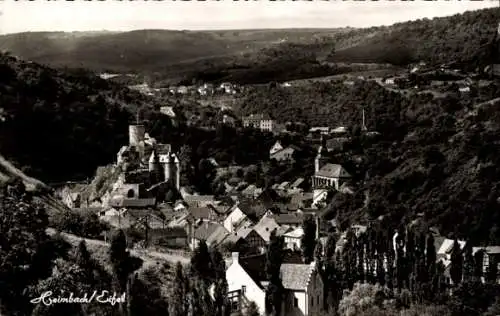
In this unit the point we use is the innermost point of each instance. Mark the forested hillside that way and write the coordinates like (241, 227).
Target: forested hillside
(438, 157)
(60, 125)
(462, 38)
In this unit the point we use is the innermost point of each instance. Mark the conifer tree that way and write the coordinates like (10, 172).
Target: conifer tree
(201, 263)
(456, 268)
(178, 305)
(478, 265)
(308, 242)
(468, 263)
(274, 259)
(360, 258)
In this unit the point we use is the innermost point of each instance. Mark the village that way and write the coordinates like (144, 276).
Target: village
(145, 195)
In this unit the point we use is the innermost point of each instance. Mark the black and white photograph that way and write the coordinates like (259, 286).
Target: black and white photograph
(249, 158)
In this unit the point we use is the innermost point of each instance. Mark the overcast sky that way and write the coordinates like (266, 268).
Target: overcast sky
(42, 15)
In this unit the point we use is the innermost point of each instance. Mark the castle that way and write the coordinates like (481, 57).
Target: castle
(146, 162)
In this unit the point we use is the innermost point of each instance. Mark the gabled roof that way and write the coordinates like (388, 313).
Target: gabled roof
(332, 171)
(199, 198)
(133, 203)
(251, 208)
(217, 236)
(265, 226)
(297, 182)
(296, 276)
(296, 233)
(205, 230)
(200, 212)
(255, 267)
(289, 219)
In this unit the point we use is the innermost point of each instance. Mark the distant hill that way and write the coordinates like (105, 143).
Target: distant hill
(462, 38)
(236, 54)
(147, 50)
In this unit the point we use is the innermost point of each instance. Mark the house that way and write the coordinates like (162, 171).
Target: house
(259, 121)
(266, 225)
(252, 239)
(167, 110)
(322, 130)
(173, 237)
(303, 289)
(235, 218)
(247, 282)
(285, 154)
(202, 213)
(293, 238)
(491, 254)
(289, 219)
(199, 200)
(276, 147)
(203, 232)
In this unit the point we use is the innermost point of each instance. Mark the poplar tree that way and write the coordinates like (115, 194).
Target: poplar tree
(274, 259)
(178, 304)
(456, 268)
(308, 242)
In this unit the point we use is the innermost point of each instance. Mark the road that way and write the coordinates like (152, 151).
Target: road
(143, 254)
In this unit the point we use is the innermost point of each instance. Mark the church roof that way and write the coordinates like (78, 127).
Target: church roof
(332, 171)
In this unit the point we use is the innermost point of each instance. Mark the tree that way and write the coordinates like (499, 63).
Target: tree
(274, 259)
(308, 241)
(363, 297)
(221, 287)
(146, 295)
(252, 309)
(26, 250)
(122, 263)
(178, 305)
(456, 269)
(201, 263)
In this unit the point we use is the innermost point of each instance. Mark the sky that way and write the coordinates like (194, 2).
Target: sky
(112, 15)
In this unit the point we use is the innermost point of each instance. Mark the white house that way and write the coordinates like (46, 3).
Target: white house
(293, 238)
(304, 289)
(247, 282)
(235, 217)
(241, 279)
(276, 147)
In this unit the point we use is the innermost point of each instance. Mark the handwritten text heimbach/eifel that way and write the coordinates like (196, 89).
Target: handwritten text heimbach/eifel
(105, 297)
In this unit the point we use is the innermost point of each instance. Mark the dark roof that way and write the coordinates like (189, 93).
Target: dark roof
(200, 212)
(332, 171)
(170, 232)
(133, 203)
(205, 230)
(289, 219)
(251, 208)
(255, 266)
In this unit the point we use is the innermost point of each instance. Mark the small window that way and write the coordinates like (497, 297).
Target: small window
(243, 289)
(312, 301)
(317, 299)
(295, 302)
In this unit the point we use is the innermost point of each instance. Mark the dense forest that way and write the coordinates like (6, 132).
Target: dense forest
(62, 125)
(462, 38)
(435, 157)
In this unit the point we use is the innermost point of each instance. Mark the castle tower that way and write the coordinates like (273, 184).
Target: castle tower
(136, 134)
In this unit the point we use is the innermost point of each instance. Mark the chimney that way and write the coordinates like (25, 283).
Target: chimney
(235, 256)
